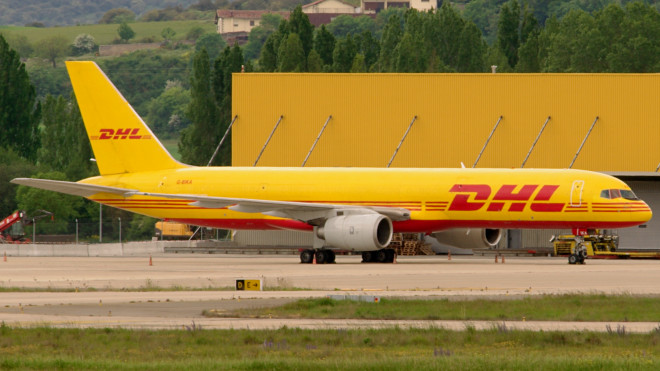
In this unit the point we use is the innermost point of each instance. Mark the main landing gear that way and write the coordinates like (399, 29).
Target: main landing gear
(322, 256)
(378, 256)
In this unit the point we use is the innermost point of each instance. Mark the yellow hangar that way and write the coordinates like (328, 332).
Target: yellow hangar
(599, 122)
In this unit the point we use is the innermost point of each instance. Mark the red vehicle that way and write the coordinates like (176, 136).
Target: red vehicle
(11, 227)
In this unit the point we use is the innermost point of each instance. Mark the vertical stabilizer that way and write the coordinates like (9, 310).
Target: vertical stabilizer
(121, 141)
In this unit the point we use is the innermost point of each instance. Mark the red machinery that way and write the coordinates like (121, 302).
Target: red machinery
(11, 227)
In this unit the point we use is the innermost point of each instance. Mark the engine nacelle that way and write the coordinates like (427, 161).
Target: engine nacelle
(469, 238)
(361, 232)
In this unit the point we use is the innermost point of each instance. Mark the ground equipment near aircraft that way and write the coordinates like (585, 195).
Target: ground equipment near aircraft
(168, 230)
(595, 245)
(12, 227)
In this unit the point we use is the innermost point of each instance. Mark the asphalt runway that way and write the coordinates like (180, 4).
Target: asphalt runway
(181, 276)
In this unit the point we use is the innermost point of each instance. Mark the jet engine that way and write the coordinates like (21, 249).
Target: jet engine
(361, 232)
(469, 238)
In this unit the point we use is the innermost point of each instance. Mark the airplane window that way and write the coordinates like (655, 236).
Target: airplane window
(628, 195)
(605, 193)
(615, 193)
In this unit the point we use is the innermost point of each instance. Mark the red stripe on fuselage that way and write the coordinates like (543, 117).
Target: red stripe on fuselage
(412, 226)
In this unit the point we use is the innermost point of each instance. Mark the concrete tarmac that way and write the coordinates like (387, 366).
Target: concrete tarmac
(181, 276)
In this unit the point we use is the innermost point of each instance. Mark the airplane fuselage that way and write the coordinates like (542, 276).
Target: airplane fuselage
(437, 199)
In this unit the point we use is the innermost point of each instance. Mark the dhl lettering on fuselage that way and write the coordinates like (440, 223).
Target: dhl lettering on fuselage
(475, 197)
(120, 134)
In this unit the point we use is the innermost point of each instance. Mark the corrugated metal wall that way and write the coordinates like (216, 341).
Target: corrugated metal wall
(456, 112)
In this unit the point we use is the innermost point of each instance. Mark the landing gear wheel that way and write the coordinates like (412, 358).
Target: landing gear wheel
(580, 259)
(307, 256)
(572, 259)
(321, 257)
(390, 255)
(368, 256)
(381, 256)
(331, 256)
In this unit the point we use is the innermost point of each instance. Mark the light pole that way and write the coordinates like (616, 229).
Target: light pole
(100, 214)
(100, 223)
(119, 230)
(76, 231)
(34, 230)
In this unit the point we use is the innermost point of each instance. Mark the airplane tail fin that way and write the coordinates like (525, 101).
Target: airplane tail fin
(121, 141)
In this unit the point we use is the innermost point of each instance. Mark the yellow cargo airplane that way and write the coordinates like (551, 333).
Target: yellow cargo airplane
(354, 209)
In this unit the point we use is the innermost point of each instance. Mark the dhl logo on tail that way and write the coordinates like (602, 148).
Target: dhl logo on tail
(119, 134)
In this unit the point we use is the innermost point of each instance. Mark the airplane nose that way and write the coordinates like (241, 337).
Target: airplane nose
(647, 214)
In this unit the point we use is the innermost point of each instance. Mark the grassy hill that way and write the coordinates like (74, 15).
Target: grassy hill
(106, 33)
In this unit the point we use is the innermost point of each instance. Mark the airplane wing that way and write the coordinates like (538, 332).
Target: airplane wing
(71, 188)
(304, 211)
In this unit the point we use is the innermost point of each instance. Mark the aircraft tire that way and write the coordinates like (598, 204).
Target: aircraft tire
(382, 256)
(321, 257)
(331, 256)
(572, 259)
(307, 256)
(581, 259)
(390, 255)
(368, 256)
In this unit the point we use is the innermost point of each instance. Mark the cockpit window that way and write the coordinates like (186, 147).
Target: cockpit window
(628, 195)
(618, 193)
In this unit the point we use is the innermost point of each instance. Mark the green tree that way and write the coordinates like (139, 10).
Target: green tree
(167, 112)
(528, 54)
(229, 62)
(268, 58)
(508, 39)
(314, 62)
(369, 47)
(213, 43)
(392, 34)
(64, 207)
(408, 55)
(141, 75)
(11, 166)
(344, 25)
(324, 44)
(84, 43)
(344, 54)
(19, 43)
(52, 48)
(118, 15)
(299, 24)
(472, 49)
(194, 33)
(19, 111)
(291, 56)
(168, 33)
(358, 64)
(268, 24)
(125, 32)
(65, 147)
(198, 140)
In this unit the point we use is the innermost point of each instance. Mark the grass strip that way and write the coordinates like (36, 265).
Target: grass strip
(285, 348)
(568, 307)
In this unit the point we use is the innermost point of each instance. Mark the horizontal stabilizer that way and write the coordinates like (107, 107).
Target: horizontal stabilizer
(72, 188)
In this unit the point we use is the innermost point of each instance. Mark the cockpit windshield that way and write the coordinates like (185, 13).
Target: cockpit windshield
(618, 193)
